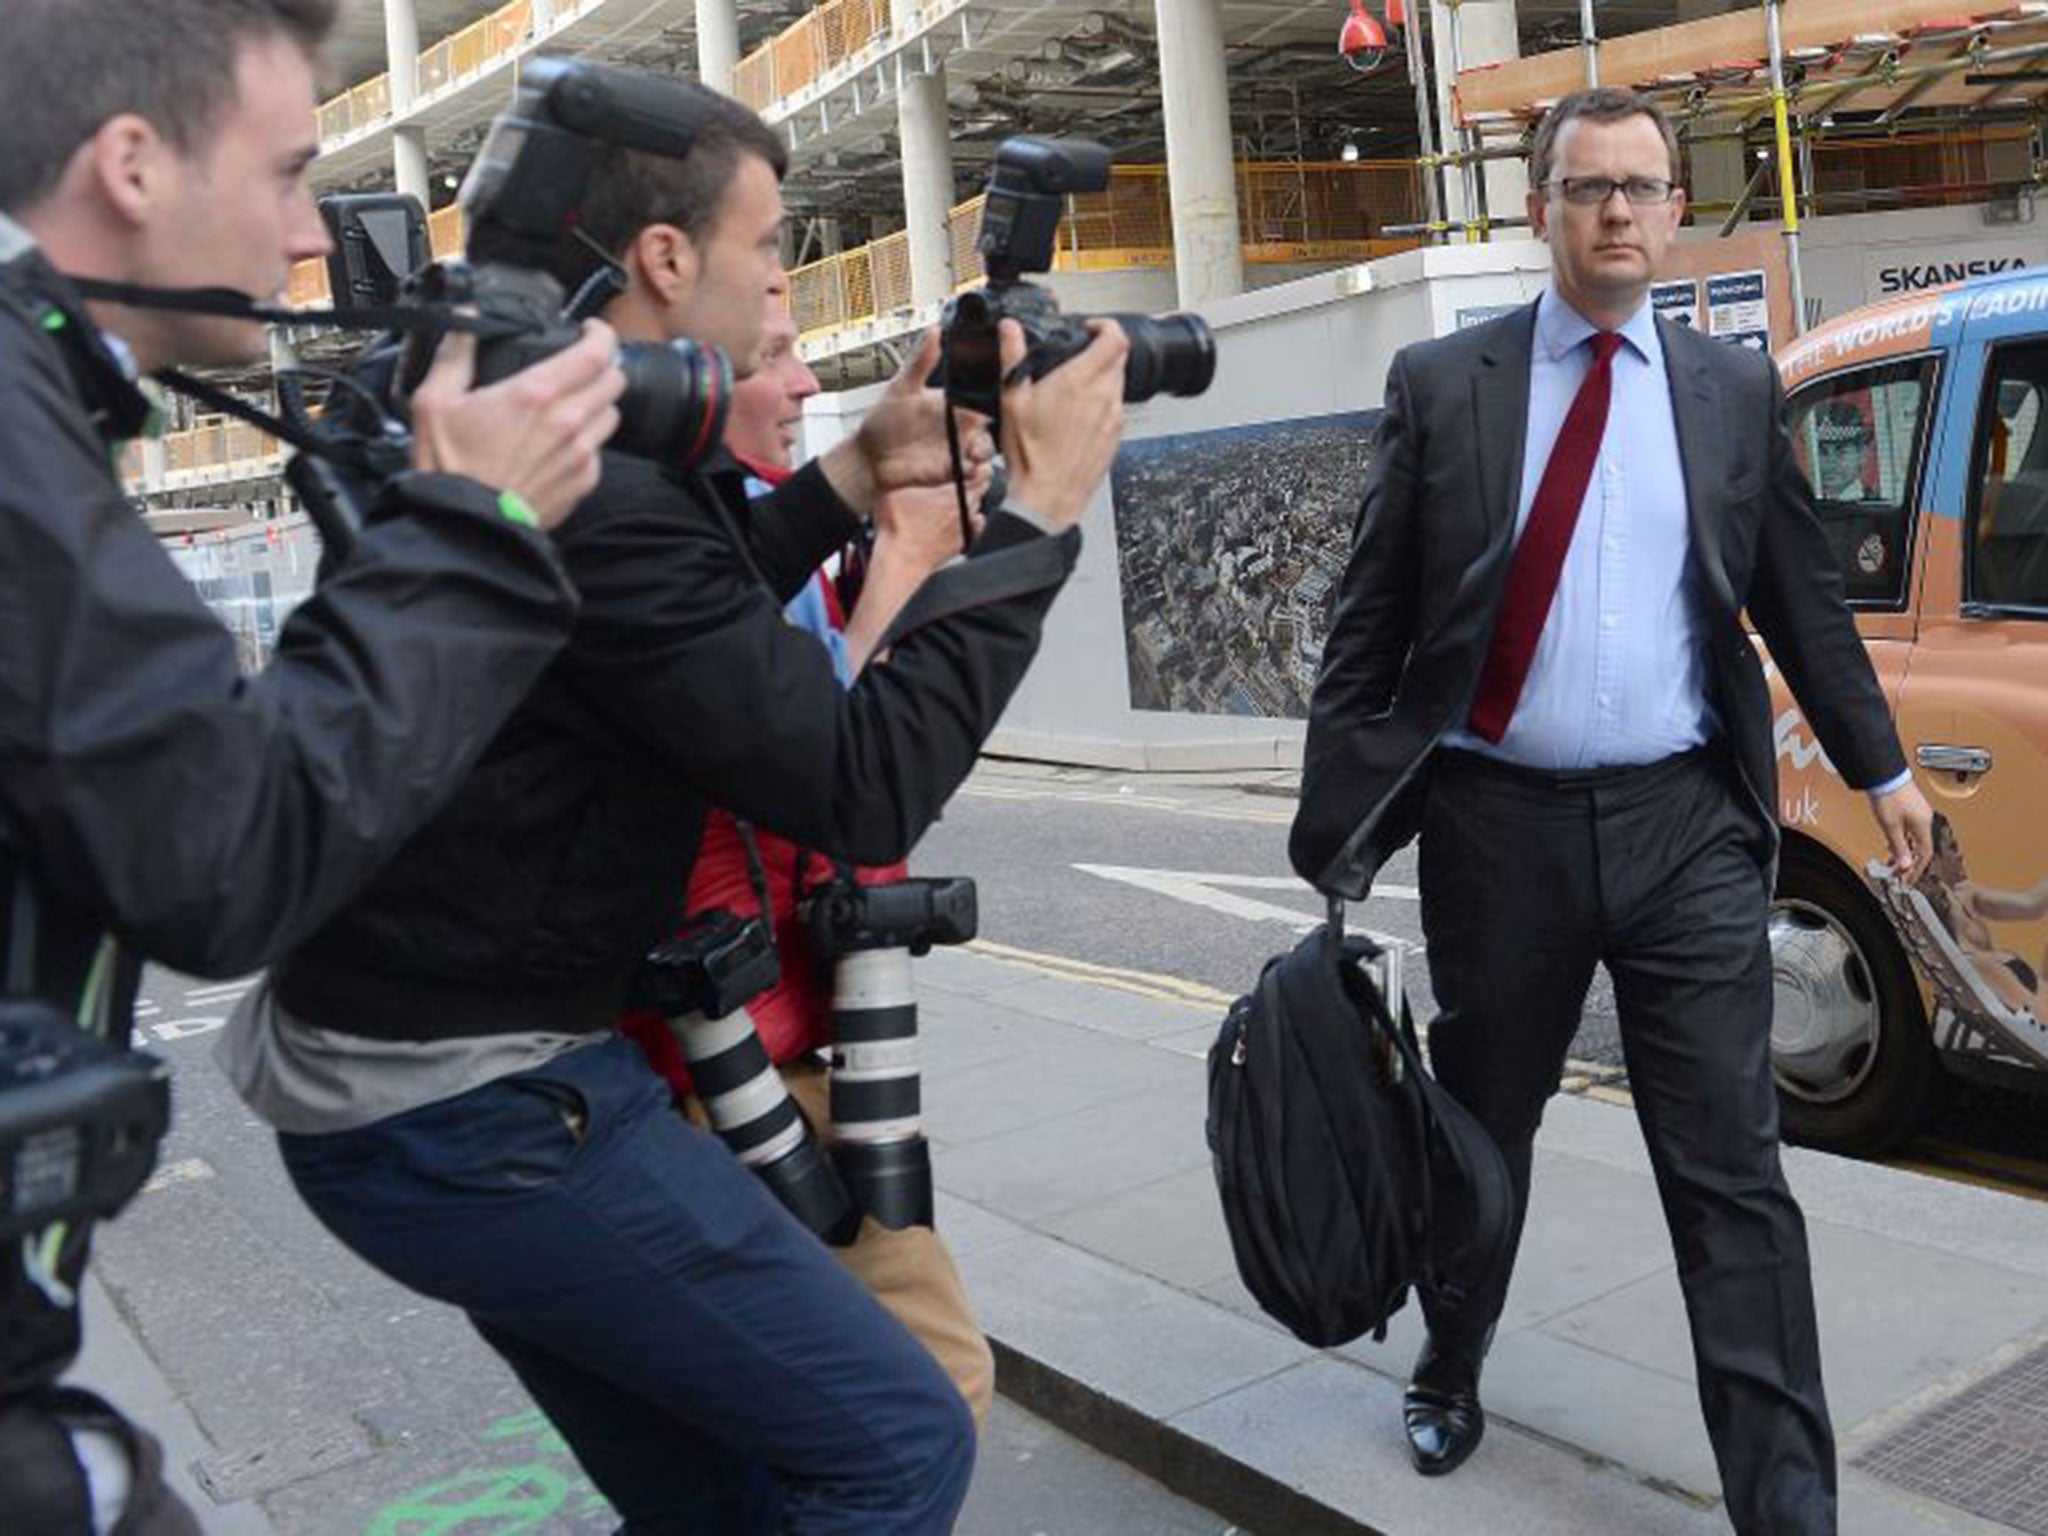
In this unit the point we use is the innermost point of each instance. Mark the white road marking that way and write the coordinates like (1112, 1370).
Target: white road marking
(181, 1029)
(219, 992)
(188, 1170)
(1202, 889)
(1208, 811)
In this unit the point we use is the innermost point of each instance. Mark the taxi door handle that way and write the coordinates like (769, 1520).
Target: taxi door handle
(1957, 760)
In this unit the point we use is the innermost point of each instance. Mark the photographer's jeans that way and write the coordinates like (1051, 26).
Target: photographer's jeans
(709, 1361)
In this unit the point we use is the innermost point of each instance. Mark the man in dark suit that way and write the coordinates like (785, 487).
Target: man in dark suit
(1539, 663)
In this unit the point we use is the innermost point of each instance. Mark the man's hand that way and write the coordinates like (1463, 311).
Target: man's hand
(536, 434)
(1908, 826)
(1060, 433)
(901, 442)
(921, 526)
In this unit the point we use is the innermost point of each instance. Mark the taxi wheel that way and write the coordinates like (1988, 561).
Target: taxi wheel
(1850, 1049)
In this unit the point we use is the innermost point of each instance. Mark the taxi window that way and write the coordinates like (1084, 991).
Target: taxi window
(2008, 529)
(1857, 435)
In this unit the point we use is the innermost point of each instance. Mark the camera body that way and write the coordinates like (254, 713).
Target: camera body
(1027, 194)
(711, 967)
(80, 1121)
(912, 914)
(523, 204)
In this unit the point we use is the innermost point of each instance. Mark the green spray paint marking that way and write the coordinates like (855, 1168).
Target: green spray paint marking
(517, 1500)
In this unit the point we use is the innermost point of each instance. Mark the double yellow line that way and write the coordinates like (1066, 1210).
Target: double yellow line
(1168, 989)
(1592, 1080)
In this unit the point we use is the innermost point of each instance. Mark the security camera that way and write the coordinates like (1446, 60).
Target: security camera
(1362, 42)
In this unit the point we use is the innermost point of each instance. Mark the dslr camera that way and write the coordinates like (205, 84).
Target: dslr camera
(522, 204)
(1027, 196)
(712, 967)
(911, 913)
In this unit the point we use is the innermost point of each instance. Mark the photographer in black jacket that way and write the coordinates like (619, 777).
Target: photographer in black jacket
(440, 1060)
(154, 802)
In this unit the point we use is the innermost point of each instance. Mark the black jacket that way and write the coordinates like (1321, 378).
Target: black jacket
(529, 901)
(1430, 558)
(154, 803)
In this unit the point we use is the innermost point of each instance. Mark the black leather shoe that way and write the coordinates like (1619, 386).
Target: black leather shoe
(1440, 1410)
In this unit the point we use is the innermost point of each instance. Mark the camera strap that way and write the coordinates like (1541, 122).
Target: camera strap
(757, 871)
(231, 304)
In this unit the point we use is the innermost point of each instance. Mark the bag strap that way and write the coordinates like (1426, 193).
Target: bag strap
(1399, 1031)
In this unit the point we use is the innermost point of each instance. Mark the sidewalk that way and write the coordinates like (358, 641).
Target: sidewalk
(1067, 1114)
(1066, 1105)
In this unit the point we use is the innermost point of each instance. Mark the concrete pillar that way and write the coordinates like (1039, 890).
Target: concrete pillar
(402, 53)
(409, 162)
(718, 43)
(1208, 251)
(402, 59)
(1485, 35)
(923, 125)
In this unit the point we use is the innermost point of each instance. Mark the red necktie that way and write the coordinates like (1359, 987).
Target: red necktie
(1539, 555)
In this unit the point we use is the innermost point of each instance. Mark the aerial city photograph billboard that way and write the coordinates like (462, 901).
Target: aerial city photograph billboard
(1231, 544)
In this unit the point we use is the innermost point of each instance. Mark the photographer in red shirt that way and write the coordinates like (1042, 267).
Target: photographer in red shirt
(909, 1269)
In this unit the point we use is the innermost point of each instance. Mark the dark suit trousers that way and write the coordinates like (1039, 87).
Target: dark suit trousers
(1530, 879)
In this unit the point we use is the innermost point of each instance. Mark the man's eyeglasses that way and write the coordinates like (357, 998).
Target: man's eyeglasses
(1594, 191)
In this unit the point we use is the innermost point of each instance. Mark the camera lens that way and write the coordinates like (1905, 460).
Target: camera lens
(1170, 354)
(876, 1102)
(749, 1107)
(677, 394)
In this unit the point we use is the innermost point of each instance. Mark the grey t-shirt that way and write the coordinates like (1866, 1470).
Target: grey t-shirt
(310, 1081)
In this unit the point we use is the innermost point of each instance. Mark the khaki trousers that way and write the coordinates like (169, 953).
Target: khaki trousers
(910, 1272)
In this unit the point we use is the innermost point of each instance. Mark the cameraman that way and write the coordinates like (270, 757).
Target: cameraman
(744, 871)
(153, 802)
(440, 1060)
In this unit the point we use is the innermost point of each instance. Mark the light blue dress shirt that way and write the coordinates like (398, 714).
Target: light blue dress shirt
(808, 610)
(1619, 675)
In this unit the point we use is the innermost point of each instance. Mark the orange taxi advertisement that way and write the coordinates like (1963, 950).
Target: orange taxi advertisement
(1922, 423)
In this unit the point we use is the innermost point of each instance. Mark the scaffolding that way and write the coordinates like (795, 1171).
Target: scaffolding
(1309, 212)
(1787, 67)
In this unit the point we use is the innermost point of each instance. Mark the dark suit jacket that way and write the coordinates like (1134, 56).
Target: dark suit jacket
(1430, 556)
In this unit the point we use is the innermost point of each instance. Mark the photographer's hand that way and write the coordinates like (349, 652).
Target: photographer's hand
(916, 532)
(902, 440)
(536, 434)
(1060, 432)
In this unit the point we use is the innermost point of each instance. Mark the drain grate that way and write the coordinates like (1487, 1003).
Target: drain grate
(1981, 1451)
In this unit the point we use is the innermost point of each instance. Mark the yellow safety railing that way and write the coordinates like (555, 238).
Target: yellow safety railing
(445, 232)
(466, 52)
(213, 442)
(455, 57)
(367, 103)
(1917, 170)
(307, 287)
(963, 231)
(809, 49)
(1331, 211)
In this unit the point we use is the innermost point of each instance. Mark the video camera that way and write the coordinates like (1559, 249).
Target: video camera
(1027, 197)
(523, 203)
